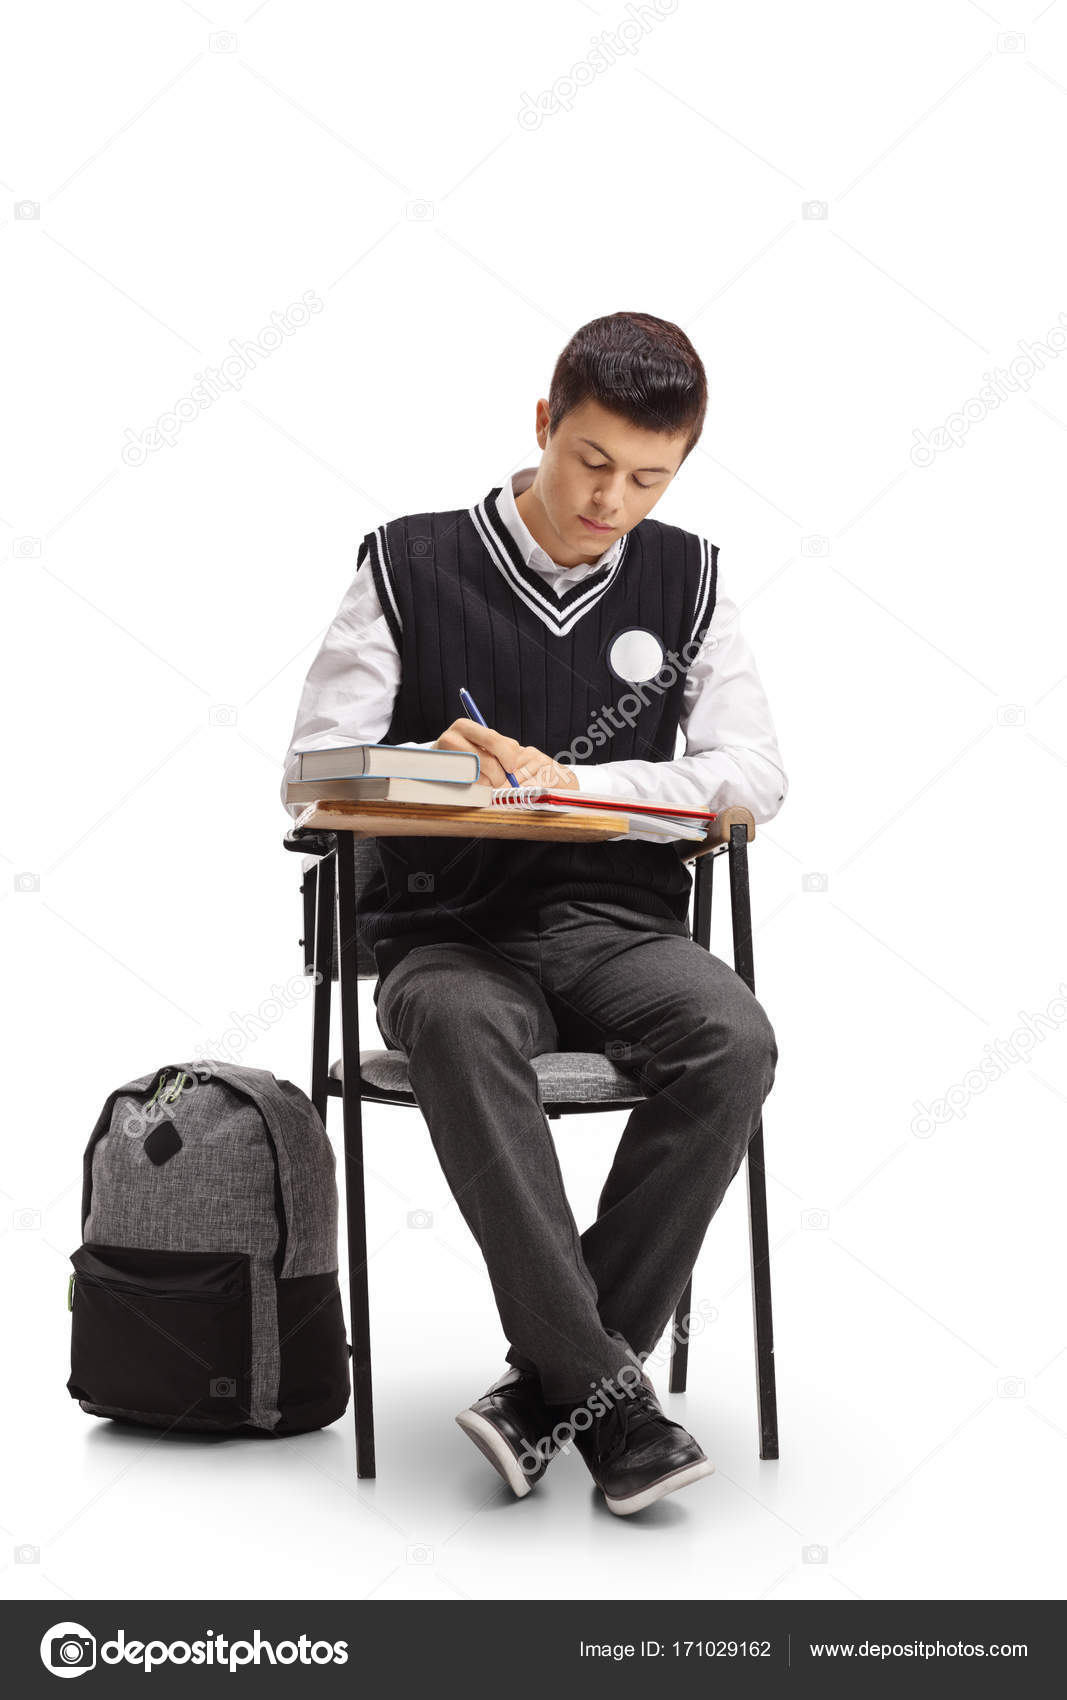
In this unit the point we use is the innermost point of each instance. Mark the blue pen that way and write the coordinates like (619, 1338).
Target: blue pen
(475, 713)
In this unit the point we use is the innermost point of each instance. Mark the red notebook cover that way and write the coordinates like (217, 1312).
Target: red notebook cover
(589, 800)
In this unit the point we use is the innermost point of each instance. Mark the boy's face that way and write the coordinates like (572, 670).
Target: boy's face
(595, 466)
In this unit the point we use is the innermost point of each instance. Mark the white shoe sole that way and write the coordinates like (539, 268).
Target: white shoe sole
(657, 1490)
(492, 1444)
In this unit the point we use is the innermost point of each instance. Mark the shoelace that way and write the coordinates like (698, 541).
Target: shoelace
(618, 1426)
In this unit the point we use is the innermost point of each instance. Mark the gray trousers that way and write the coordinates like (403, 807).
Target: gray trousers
(582, 976)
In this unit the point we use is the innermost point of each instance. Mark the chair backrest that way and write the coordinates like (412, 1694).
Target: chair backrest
(368, 864)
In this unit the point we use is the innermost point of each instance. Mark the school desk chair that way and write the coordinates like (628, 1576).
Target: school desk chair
(336, 866)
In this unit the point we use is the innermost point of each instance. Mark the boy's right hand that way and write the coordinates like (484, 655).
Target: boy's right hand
(457, 737)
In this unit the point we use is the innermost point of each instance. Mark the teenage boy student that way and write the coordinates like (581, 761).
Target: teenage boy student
(588, 635)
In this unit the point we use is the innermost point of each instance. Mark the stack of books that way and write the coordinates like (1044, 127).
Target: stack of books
(391, 773)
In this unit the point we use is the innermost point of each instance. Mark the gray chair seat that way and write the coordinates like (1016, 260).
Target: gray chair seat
(565, 1077)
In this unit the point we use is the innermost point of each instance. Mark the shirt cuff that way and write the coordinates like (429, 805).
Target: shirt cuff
(596, 776)
(590, 777)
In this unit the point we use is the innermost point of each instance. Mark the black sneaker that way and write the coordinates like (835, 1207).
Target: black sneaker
(512, 1426)
(636, 1454)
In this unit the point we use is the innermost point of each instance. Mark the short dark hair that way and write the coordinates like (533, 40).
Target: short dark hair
(643, 368)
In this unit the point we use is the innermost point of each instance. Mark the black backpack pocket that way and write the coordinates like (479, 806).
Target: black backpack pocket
(162, 1334)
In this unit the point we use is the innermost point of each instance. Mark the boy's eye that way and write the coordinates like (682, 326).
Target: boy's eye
(600, 464)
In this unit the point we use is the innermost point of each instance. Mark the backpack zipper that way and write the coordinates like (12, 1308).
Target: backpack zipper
(180, 1083)
(159, 1087)
(150, 1292)
(169, 1094)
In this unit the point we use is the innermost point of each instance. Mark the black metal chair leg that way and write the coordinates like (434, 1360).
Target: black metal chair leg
(322, 965)
(761, 1295)
(680, 1340)
(741, 915)
(355, 1191)
(703, 887)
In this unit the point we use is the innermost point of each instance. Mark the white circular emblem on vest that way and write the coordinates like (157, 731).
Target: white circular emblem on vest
(635, 655)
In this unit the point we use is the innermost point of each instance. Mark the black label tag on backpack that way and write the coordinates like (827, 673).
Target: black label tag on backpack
(163, 1142)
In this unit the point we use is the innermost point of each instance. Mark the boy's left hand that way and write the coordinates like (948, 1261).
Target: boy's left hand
(529, 765)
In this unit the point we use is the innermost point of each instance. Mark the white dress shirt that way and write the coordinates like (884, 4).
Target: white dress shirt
(731, 750)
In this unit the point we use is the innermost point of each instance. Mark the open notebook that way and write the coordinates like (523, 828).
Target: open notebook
(673, 821)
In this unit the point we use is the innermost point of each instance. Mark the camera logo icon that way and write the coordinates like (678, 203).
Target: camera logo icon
(68, 1649)
(420, 1218)
(1011, 1387)
(420, 882)
(814, 209)
(27, 209)
(1010, 714)
(223, 1387)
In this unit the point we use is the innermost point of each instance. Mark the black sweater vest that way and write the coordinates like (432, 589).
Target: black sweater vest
(596, 673)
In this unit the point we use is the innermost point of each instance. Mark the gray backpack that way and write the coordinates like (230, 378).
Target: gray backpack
(205, 1292)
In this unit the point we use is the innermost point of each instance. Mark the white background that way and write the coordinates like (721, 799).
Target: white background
(159, 622)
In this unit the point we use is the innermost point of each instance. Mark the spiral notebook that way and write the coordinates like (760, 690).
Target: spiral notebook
(671, 820)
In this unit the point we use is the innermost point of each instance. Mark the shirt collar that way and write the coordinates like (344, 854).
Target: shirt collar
(549, 591)
(530, 550)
